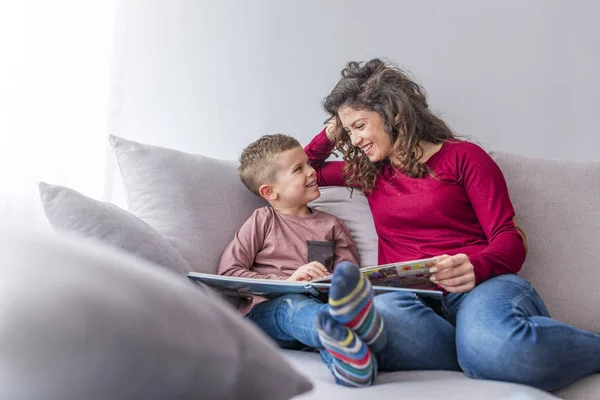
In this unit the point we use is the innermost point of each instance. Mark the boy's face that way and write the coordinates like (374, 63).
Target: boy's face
(295, 180)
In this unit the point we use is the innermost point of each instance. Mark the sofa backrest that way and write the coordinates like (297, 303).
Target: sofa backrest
(557, 203)
(197, 203)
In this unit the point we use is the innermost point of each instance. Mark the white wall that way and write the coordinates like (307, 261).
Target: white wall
(210, 76)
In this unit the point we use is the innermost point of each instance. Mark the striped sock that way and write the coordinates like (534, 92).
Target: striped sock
(353, 364)
(351, 304)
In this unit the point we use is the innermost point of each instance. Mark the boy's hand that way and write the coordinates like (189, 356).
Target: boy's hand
(308, 272)
(330, 128)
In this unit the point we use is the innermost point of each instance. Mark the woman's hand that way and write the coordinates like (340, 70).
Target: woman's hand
(308, 272)
(330, 128)
(454, 273)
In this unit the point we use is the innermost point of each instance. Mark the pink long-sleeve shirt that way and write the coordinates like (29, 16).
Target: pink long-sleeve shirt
(272, 245)
(465, 208)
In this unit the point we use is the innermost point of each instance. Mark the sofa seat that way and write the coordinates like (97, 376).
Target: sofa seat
(425, 385)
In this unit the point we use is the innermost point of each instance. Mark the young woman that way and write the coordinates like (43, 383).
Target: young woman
(432, 194)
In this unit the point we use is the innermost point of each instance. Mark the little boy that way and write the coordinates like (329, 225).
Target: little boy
(290, 241)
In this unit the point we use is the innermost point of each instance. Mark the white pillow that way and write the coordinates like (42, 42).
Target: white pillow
(356, 213)
(196, 203)
(82, 320)
(71, 212)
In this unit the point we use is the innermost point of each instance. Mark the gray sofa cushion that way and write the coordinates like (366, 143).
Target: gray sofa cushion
(355, 212)
(409, 385)
(557, 204)
(69, 211)
(82, 320)
(587, 388)
(196, 203)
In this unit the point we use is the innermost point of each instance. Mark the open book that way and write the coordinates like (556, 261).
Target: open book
(411, 276)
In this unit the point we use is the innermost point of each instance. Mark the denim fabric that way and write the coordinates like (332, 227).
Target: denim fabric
(289, 320)
(500, 330)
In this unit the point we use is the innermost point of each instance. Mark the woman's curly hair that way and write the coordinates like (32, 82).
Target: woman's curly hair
(401, 103)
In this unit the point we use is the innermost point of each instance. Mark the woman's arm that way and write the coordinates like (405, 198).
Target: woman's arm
(488, 193)
(329, 173)
(505, 254)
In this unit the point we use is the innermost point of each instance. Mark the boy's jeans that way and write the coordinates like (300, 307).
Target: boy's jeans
(500, 330)
(289, 320)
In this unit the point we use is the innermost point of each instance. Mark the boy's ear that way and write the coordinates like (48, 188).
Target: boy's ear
(267, 192)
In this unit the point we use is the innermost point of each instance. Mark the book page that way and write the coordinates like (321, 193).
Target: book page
(413, 274)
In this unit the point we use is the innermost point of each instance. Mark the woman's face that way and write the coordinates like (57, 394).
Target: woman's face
(366, 132)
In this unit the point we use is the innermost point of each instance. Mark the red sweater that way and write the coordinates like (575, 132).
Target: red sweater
(464, 209)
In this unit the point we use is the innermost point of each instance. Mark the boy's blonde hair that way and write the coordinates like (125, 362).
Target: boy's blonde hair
(257, 162)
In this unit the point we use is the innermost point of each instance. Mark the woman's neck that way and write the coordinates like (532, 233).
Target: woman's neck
(429, 149)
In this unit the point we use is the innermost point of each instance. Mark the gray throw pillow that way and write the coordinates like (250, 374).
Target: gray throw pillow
(196, 203)
(82, 320)
(69, 211)
(356, 214)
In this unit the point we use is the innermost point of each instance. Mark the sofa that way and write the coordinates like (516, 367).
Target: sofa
(183, 209)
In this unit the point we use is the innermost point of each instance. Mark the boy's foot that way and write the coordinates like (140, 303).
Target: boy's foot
(353, 364)
(351, 304)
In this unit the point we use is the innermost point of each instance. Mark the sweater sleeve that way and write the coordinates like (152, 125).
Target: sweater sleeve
(238, 258)
(345, 249)
(329, 173)
(488, 194)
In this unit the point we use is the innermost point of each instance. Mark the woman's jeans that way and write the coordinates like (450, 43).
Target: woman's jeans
(500, 330)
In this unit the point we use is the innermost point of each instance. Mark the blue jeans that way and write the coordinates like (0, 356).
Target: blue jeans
(289, 321)
(500, 330)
